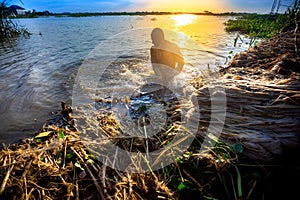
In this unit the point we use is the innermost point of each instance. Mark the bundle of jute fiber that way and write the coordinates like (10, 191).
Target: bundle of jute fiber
(264, 119)
(262, 87)
(55, 164)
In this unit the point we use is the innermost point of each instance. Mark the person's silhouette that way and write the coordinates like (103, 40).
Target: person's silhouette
(166, 58)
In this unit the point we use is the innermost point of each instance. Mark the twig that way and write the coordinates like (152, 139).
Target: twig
(42, 188)
(129, 183)
(91, 174)
(26, 169)
(32, 189)
(251, 190)
(233, 188)
(103, 174)
(7, 175)
(5, 160)
(65, 154)
(295, 32)
(192, 178)
(182, 179)
(25, 186)
(76, 184)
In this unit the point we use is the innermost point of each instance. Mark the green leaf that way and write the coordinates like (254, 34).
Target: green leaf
(92, 156)
(186, 155)
(179, 160)
(186, 184)
(61, 134)
(167, 171)
(42, 158)
(59, 155)
(142, 108)
(77, 164)
(239, 182)
(37, 140)
(235, 41)
(70, 155)
(170, 129)
(182, 186)
(58, 162)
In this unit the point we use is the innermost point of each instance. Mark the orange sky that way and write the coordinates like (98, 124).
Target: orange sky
(216, 6)
(186, 5)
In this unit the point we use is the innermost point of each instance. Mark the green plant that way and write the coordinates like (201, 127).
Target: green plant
(264, 26)
(8, 28)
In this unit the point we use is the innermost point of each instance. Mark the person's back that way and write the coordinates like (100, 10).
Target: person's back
(166, 58)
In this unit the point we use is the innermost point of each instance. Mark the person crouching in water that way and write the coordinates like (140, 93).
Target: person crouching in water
(166, 58)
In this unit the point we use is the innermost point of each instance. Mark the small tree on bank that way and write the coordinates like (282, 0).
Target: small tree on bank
(8, 28)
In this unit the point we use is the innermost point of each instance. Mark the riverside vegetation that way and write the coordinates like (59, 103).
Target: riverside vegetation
(9, 29)
(265, 25)
(256, 156)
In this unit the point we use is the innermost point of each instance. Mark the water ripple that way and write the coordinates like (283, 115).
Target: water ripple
(37, 73)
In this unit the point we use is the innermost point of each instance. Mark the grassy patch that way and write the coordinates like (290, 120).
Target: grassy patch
(262, 26)
(254, 25)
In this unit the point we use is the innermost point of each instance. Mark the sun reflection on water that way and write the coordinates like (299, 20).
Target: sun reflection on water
(184, 19)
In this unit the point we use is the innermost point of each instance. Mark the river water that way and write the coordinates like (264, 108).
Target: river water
(38, 72)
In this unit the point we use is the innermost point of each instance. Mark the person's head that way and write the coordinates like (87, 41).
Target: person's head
(157, 36)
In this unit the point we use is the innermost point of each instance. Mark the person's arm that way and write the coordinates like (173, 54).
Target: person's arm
(178, 59)
(179, 62)
(155, 55)
(155, 60)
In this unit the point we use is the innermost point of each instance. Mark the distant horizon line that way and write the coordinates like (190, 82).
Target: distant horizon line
(205, 12)
(153, 12)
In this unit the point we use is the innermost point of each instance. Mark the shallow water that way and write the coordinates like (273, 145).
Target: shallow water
(37, 73)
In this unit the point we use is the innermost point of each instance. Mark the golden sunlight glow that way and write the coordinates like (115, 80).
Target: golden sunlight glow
(187, 5)
(185, 19)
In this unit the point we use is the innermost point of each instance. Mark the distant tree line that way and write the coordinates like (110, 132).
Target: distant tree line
(141, 13)
(34, 13)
